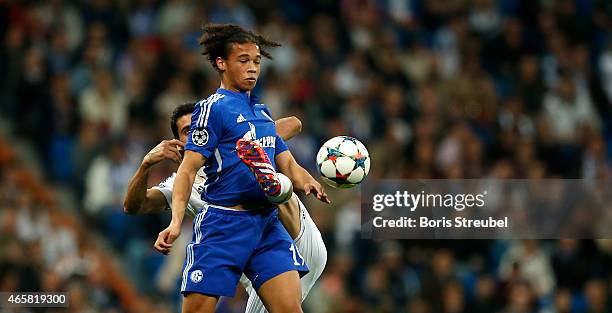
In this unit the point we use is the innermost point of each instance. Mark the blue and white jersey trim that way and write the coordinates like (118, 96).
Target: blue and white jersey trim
(205, 106)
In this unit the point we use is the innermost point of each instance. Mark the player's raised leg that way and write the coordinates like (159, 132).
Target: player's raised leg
(276, 186)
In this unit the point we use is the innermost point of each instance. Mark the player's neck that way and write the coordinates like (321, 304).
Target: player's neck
(229, 87)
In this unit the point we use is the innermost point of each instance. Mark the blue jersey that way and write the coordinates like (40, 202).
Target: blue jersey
(216, 124)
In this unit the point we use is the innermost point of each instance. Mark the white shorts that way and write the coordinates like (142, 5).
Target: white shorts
(312, 248)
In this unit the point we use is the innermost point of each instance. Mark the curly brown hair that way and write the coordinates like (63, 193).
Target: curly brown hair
(218, 38)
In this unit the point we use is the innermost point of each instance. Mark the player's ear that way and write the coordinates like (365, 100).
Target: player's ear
(221, 65)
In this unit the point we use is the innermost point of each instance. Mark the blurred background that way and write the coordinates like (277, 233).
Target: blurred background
(435, 89)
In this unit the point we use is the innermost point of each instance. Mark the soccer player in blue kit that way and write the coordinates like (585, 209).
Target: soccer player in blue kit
(238, 231)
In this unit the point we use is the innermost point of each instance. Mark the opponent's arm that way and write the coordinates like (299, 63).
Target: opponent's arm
(300, 178)
(139, 199)
(180, 196)
(288, 127)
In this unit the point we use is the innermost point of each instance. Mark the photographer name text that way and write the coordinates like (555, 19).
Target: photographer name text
(425, 222)
(411, 202)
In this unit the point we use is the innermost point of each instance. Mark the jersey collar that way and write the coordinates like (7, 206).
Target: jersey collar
(252, 100)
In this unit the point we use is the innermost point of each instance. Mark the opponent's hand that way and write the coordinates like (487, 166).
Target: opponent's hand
(318, 190)
(166, 237)
(167, 149)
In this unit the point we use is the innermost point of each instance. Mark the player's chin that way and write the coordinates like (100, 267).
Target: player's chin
(249, 83)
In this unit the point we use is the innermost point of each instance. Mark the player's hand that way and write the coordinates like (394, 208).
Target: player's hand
(315, 188)
(167, 149)
(166, 237)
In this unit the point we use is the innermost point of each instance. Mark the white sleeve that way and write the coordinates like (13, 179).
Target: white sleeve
(166, 189)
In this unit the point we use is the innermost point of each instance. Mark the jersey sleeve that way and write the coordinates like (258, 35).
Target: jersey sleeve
(206, 127)
(165, 188)
(266, 112)
(281, 146)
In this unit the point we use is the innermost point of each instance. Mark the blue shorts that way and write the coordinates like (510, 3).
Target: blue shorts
(227, 243)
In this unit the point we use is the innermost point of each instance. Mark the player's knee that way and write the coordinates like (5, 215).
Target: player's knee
(286, 190)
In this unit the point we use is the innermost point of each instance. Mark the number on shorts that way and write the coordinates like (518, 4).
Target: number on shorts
(296, 253)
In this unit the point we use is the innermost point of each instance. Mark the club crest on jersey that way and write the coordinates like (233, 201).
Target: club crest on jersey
(196, 276)
(199, 136)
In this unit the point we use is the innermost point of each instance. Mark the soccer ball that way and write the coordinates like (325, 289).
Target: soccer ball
(343, 162)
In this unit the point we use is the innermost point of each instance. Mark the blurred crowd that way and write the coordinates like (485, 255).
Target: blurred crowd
(435, 89)
(43, 248)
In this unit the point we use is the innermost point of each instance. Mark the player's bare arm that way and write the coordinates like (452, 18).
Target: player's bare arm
(139, 199)
(185, 176)
(300, 178)
(288, 127)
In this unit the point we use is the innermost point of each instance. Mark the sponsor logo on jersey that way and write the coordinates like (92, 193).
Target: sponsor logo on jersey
(251, 134)
(267, 142)
(264, 142)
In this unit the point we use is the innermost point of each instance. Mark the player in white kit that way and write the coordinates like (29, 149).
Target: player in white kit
(293, 214)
